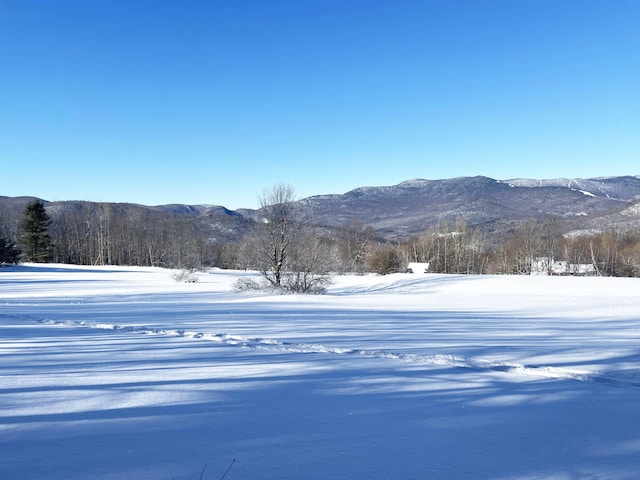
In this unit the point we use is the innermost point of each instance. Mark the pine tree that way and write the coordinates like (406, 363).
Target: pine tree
(36, 241)
(8, 252)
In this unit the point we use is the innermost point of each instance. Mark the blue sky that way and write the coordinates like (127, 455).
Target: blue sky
(210, 102)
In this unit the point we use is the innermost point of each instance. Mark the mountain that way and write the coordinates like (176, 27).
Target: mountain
(410, 207)
(621, 188)
(214, 223)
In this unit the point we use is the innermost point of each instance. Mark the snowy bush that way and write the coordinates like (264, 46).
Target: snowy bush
(186, 275)
(291, 283)
(244, 284)
(305, 282)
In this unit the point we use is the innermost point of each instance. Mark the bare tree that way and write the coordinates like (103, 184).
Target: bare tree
(353, 239)
(279, 230)
(522, 246)
(449, 248)
(288, 252)
(309, 264)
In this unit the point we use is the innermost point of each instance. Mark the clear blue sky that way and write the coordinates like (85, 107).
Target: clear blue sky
(156, 101)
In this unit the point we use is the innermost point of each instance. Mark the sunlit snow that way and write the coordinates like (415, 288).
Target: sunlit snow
(123, 373)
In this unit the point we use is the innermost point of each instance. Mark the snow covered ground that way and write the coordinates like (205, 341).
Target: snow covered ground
(123, 373)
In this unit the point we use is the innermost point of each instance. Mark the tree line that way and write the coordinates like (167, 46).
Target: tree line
(290, 251)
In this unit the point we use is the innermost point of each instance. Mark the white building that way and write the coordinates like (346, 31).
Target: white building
(417, 267)
(549, 266)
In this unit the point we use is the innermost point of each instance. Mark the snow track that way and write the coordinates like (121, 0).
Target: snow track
(626, 378)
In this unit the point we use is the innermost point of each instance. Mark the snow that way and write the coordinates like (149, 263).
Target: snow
(123, 373)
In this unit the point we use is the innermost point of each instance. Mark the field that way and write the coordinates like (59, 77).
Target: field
(124, 373)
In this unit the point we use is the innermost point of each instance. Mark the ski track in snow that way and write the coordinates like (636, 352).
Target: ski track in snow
(630, 378)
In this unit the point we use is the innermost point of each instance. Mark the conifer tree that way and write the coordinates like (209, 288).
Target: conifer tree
(36, 241)
(8, 252)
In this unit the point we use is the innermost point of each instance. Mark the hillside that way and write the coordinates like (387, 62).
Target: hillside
(412, 206)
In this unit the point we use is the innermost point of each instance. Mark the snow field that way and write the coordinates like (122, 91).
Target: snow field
(112, 372)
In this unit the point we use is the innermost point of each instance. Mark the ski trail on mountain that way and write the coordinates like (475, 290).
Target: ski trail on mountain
(627, 378)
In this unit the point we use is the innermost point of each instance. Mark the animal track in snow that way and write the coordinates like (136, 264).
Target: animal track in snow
(626, 378)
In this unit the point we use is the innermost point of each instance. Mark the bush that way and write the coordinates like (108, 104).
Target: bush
(186, 275)
(385, 260)
(291, 283)
(305, 282)
(249, 284)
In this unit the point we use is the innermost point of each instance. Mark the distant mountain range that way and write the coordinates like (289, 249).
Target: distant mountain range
(410, 207)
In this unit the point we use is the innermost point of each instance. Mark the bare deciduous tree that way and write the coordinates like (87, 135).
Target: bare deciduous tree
(449, 248)
(309, 264)
(353, 239)
(281, 226)
(284, 248)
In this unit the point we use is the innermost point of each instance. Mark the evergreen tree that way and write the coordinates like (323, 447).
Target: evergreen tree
(8, 252)
(36, 241)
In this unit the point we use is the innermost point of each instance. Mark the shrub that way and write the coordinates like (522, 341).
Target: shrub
(186, 275)
(385, 260)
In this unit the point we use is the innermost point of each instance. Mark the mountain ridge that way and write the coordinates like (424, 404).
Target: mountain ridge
(410, 207)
